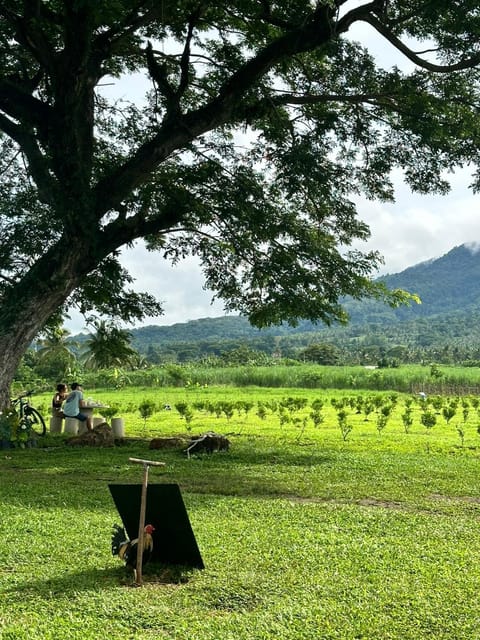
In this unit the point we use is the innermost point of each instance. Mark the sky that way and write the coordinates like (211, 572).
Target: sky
(413, 229)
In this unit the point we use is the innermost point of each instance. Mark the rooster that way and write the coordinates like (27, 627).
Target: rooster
(127, 549)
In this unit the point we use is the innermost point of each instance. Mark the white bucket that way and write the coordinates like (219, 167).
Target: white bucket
(118, 427)
(98, 420)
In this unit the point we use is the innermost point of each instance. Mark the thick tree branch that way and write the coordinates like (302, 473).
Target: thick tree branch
(288, 98)
(158, 73)
(175, 135)
(30, 35)
(24, 107)
(36, 161)
(466, 63)
(104, 43)
(124, 230)
(185, 59)
(366, 12)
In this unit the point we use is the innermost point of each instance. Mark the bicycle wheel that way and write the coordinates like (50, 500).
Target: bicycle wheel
(36, 421)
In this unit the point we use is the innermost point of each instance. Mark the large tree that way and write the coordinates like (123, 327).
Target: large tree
(262, 122)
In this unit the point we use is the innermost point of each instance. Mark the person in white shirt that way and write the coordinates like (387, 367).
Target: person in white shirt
(73, 404)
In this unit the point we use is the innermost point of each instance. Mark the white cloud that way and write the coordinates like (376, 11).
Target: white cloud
(180, 289)
(417, 228)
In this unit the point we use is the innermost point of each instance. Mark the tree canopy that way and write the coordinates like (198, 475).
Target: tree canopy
(261, 123)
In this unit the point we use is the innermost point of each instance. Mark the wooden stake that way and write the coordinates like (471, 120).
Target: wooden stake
(143, 508)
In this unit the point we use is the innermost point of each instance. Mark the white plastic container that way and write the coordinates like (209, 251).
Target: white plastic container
(118, 427)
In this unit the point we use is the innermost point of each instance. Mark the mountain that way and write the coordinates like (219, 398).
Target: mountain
(449, 287)
(448, 284)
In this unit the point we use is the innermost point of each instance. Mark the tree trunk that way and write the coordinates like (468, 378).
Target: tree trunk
(28, 306)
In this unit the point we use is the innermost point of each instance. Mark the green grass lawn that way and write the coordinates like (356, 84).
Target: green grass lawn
(303, 535)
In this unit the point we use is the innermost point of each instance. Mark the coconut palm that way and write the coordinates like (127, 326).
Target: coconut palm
(107, 346)
(56, 352)
(56, 342)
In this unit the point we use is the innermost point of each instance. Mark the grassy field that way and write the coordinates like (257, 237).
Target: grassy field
(304, 534)
(429, 377)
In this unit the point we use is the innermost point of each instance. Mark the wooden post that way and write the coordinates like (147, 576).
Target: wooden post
(143, 508)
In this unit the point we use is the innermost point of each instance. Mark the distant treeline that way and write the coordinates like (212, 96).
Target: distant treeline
(449, 339)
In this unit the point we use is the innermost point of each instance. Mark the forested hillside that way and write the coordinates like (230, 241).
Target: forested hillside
(445, 327)
(445, 285)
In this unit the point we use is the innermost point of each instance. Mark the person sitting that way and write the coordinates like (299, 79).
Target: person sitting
(58, 399)
(73, 404)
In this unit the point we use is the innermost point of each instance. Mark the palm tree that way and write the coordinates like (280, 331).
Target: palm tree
(56, 342)
(108, 346)
(56, 352)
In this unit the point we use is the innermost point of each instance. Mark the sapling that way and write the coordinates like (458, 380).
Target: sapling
(284, 417)
(300, 422)
(437, 403)
(449, 412)
(368, 409)
(261, 411)
(317, 417)
(109, 412)
(186, 413)
(383, 416)
(146, 408)
(475, 402)
(345, 428)
(359, 404)
(352, 402)
(228, 409)
(407, 419)
(393, 397)
(428, 419)
(317, 404)
(217, 409)
(271, 405)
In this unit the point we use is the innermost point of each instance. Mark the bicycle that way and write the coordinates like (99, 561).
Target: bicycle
(30, 418)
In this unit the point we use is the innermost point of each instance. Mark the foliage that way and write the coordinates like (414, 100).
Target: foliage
(55, 354)
(186, 412)
(111, 411)
(272, 221)
(412, 378)
(343, 423)
(320, 353)
(146, 409)
(12, 431)
(428, 419)
(108, 346)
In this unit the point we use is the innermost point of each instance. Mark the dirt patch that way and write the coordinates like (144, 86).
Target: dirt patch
(384, 504)
(444, 498)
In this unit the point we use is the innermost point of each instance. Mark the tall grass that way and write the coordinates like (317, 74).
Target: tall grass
(447, 379)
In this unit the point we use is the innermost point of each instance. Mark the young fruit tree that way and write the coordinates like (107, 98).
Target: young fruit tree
(261, 123)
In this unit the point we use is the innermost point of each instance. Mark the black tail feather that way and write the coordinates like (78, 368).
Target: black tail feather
(119, 537)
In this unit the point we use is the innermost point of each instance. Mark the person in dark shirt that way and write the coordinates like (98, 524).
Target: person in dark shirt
(58, 399)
